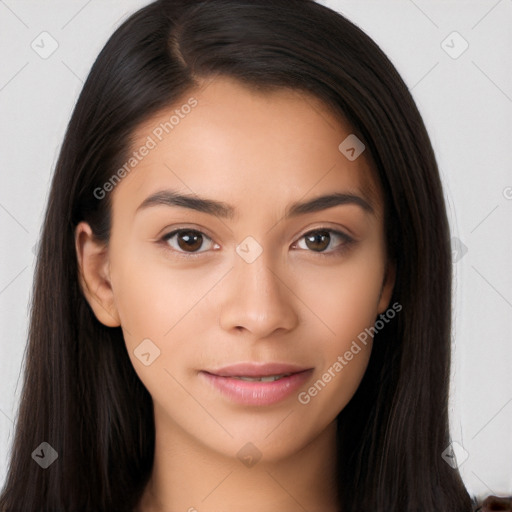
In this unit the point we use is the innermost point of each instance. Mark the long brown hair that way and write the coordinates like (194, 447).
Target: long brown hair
(81, 394)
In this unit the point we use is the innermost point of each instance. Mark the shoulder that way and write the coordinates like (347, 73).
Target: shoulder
(495, 503)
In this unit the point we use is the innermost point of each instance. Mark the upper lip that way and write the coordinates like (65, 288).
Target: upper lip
(256, 369)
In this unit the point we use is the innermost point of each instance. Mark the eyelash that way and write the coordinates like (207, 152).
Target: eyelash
(347, 241)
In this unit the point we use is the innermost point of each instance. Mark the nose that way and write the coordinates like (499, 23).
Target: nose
(257, 299)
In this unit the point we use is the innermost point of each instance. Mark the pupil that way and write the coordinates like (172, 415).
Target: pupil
(189, 240)
(318, 238)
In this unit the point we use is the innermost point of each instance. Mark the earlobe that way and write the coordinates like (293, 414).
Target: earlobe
(94, 276)
(387, 287)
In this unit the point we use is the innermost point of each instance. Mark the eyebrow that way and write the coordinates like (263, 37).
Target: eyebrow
(224, 210)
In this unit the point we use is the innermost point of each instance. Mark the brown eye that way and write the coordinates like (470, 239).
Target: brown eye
(188, 240)
(320, 239)
(317, 240)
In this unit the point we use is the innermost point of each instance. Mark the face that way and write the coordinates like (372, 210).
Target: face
(236, 280)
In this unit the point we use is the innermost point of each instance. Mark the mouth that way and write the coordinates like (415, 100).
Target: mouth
(255, 383)
(266, 378)
(257, 370)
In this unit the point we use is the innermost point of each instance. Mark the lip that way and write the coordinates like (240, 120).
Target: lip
(256, 369)
(254, 392)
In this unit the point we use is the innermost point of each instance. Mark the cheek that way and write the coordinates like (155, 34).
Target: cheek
(343, 295)
(164, 302)
(344, 299)
(142, 297)
(150, 303)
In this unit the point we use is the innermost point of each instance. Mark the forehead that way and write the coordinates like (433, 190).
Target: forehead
(247, 147)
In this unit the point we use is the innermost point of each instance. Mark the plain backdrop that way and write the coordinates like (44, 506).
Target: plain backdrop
(455, 57)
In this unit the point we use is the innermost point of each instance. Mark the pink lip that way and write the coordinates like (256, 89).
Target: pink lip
(254, 392)
(256, 369)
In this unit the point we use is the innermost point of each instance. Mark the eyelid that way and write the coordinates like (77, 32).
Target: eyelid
(323, 227)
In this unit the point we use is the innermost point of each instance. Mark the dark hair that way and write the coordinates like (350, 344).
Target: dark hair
(80, 392)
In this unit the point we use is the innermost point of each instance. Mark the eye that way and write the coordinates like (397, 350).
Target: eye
(320, 239)
(187, 240)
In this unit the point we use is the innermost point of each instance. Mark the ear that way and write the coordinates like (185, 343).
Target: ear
(388, 285)
(94, 275)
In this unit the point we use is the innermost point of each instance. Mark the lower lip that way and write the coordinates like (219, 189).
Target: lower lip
(255, 392)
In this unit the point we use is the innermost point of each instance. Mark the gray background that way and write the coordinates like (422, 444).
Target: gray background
(465, 98)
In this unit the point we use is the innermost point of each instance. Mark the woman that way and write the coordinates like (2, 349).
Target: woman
(242, 297)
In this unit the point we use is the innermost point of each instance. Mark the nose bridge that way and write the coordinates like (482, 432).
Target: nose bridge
(257, 298)
(260, 275)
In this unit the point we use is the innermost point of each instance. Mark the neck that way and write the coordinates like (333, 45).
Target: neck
(189, 476)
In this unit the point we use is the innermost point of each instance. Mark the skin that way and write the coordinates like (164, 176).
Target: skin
(259, 152)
